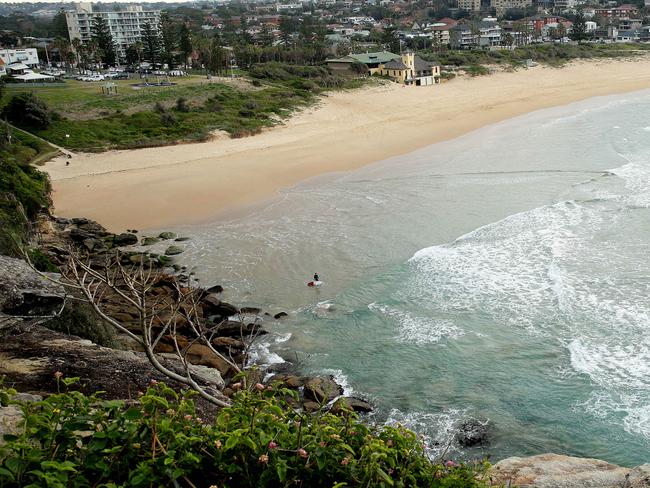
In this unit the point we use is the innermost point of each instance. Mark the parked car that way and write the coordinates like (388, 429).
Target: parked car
(117, 76)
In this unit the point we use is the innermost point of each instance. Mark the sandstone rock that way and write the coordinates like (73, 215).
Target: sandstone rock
(125, 239)
(640, 477)
(279, 315)
(10, 420)
(239, 330)
(181, 239)
(473, 432)
(289, 381)
(345, 404)
(215, 289)
(557, 471)
(228, 343)
(322, 389)
(310, 406)
(25, 292)
(212, 305)
(167, 235)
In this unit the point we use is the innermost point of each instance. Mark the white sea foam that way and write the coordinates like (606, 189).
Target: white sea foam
(438, 429)
(341, 379)
(415, 329)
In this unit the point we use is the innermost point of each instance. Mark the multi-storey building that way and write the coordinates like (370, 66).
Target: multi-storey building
(27, 56)
(502, 5)
(125, 25)
(470, 5)
(626, 11)
(475, 35)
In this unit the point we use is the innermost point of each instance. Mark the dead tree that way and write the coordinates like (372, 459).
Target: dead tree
(157, 316)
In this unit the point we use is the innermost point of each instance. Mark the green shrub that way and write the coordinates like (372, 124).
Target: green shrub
(26, 110)
(79, 319)
(181, 105)
(168, 119)
(74, 440)
(41, 261)
(159, 107)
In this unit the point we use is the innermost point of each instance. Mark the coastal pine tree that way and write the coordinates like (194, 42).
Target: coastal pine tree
(185, 42)
(60, 25)
(168, 38)
(150, 43)
(133, 53)
(101, 35)
(579, 28)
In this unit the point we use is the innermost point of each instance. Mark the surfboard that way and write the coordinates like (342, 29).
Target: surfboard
(314, 283)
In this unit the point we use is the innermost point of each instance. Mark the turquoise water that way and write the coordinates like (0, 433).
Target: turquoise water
(504, 275)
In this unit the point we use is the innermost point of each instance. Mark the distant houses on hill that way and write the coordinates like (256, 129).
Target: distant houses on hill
(407, 68)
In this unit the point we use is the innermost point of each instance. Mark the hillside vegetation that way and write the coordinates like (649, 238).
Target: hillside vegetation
(190, 111)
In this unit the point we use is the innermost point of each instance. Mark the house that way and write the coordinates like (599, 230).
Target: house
(410, 69)
(644, 33)
(14, 69)
(626, 11)
(27, 56)
(407, 68)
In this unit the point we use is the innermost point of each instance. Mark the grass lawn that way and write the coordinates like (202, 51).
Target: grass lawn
(151, 116)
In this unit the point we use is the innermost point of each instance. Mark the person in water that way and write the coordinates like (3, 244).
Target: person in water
(316, 278)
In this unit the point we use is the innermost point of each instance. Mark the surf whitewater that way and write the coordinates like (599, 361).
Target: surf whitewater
(501, 277)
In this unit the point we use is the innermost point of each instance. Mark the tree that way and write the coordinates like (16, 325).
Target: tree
(60, 25)
(579, 29)
(168, 38)
(150, 43)
(185, 42)
(176, 318)
(26, 110)
(101, 35)
(133, 54)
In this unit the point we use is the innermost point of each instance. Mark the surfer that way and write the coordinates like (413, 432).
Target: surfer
(316, 278)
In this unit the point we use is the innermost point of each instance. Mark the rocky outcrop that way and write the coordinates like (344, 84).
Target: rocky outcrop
(23, 292)
(473, 432)
(346, 404)
(557, 471)
(31, 354)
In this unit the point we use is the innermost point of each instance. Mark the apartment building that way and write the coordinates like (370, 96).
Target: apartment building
(27, 56)
(125, 25)
(502, 5)
(470, 5)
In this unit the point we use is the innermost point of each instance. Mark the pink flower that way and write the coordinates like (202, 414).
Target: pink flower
(272, 445)
(154, 382)
(391, 471)
(218, 444)
(188, 417)
(302, 453)
(260, 387)
(345, 461)
(322, 443)
(58, 375)
(236, 386)
(264, 459)
(450, 464)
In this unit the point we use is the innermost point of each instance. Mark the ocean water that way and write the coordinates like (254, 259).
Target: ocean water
(504, 276)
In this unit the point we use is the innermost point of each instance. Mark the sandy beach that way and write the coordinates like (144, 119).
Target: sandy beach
(192, 183)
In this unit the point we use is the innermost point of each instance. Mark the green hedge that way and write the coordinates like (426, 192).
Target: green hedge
(72, 440)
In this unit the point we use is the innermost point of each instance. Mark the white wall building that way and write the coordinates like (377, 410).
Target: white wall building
(125, 25)
(26, 56)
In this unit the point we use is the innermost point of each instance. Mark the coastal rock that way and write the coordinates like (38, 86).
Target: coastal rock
(279, 315)
(149, 241)
(473, 432)
(640, 477)
(167, 235)
(557, 471)
(182, 239)
(215, 289)
(24, 292)
(173, 250)
(197, 354)
(10, 420)
(212, 305)
(239, 330)
(250, 310)
(125, 239)
(346, 404)
(289, 381)
(322, 389)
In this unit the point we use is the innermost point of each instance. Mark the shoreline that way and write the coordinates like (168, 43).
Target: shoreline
(200, 182)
